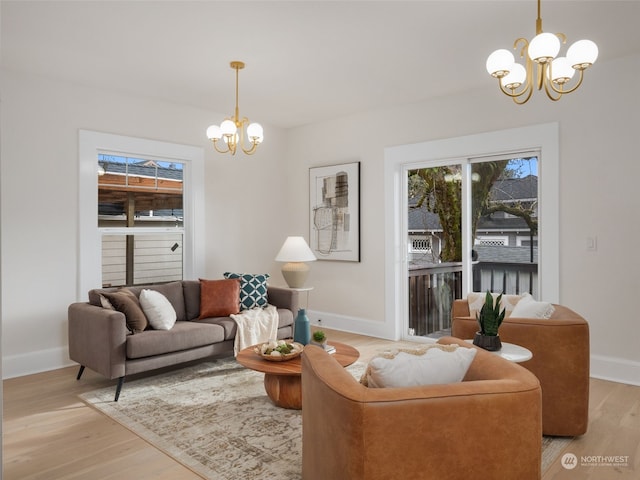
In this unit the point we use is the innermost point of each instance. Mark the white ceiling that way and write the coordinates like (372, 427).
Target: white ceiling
(306, 61)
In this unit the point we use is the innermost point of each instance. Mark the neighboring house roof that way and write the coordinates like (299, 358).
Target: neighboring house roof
(505, 254)
(510, 189)
(145, 168)
(493, 224)
(420, 219)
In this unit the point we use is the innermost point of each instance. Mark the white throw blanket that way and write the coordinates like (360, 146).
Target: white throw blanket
(257, 325)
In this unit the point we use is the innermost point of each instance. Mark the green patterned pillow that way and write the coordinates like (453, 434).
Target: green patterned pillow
(253, 289)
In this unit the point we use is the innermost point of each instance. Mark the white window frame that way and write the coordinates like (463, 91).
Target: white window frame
(89, 236)
(400, 159)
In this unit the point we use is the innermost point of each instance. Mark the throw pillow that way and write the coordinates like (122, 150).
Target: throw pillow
(527, 307)
(158, 309)
(105, 303)
(476, 301)
(253, 289)
(219, 298)
(126, 302)
(438, 364)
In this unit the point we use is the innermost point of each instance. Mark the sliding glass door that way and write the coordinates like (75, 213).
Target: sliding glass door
(471, 225)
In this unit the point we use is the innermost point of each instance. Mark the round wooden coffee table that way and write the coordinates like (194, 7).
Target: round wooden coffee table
(283, 380)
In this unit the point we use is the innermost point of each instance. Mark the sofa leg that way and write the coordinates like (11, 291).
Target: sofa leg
(118, 388)
(80, 372)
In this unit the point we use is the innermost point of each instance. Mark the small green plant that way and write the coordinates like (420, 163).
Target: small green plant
(319, 336)
(490, 317)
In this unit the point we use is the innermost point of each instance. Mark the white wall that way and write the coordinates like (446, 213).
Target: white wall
(40, 120)
(599, 173)
(253, 203)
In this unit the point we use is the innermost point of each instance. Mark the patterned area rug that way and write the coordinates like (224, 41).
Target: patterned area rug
(216, 419)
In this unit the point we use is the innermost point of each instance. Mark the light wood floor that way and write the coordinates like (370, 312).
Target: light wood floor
(50, 434)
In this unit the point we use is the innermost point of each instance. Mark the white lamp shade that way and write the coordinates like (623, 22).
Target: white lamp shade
(561, 70)
(582, 53)
(295, 249)
(255, 132)
(543, 47)
(499, 62)
(516, 77)
(228, 127)
(214, 132)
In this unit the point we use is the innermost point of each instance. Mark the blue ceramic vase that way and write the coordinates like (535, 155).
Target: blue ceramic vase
(302, 328)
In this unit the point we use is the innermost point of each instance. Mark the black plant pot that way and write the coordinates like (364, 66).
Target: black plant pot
(491, 343)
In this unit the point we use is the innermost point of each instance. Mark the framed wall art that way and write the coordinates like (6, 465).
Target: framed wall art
(334, 212)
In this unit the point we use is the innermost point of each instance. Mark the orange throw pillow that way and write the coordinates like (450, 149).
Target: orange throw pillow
(219, 298)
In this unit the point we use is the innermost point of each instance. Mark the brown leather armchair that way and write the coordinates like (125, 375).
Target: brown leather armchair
(560, 347)
(486, 427)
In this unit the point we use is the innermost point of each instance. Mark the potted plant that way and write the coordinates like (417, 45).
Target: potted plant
(319, 338)
(489, 318)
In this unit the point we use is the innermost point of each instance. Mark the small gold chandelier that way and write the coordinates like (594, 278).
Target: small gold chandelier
(552, 72)
(232, 129)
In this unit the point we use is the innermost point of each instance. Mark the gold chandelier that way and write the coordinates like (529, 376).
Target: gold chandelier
(232, 130)
(553, 72)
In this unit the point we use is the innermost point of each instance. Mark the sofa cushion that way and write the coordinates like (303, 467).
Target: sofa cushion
(158, 309)
(476, 301)
(253, 289)
(285, 319)
(427, 366)
(126, 302)
(183, 336)
(173, 292)
(527, 307)
(191, 291)
(219, 298)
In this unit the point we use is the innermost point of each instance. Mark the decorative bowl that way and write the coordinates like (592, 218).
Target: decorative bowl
(279, 350)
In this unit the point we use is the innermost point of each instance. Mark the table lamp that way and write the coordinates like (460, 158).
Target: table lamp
(295, 252)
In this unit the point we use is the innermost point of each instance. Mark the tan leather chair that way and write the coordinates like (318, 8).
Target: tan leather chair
(560, 347)
(485, 427)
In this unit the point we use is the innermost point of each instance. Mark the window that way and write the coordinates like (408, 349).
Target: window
(420, 244)
(166, 181)
(492, 241)
(140, 218)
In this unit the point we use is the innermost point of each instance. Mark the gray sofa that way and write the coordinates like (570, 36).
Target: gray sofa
(100, 340)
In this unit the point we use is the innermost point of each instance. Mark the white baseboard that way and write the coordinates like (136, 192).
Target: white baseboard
(356, 325)
(35, 362)
(615, 369)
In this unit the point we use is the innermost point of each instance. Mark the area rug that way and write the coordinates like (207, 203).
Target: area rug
(216, 419)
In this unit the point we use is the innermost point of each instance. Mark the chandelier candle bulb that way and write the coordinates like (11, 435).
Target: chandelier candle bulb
(516, 77)
(544, 47)
(582, 54)
(500, 62)
(561, 71)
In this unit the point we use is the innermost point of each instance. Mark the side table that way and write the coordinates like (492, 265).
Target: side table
(512, 352)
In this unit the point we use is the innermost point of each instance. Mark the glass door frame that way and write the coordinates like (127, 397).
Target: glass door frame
(400, 159)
